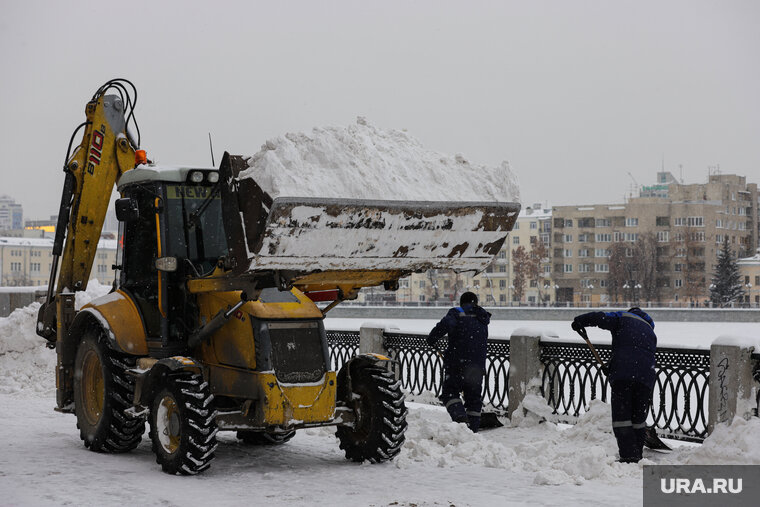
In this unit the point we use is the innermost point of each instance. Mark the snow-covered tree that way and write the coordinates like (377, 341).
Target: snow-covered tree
(726, 286)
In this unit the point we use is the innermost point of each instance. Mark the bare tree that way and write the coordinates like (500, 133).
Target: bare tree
(689, 251)
(521, 261)
(619, 273)
(646, 260)
(537, 258)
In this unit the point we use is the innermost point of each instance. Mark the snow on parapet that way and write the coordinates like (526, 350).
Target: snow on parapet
(738, 341)
(362, 161)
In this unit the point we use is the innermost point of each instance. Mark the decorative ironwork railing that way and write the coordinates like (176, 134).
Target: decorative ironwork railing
(571, 378)
(420, 367)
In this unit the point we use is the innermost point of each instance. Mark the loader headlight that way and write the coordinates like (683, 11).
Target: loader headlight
(213, 177)
(196, 176)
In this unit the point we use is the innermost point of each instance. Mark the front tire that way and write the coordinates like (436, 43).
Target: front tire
(378, 403)
(102, 392)
(183, 424)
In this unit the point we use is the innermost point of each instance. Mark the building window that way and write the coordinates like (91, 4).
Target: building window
(678, 283)
(568, 252)
(719, 223)
(629, 252)
(602, 268)
(534, 225)
(679, 221)
(662, 221)
(502, 284)
(582, 238)
(502, 254)
(631, 222)
(422, 284)
(632, 236)
(568, 268)
(663, 236)
(603, 238)
(602, 222)
(698, 236)
(601, 252)
(603, 283)
(502, 269)
(545, 239)
(678, 267)
(584, 268)
(403, 284)
(568, 222)
(502, 298)
(515, 240)
(583, 252)
(696, 222)
(568, 238)
(422, 298)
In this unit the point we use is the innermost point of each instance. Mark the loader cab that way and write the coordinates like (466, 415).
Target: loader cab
(172, 230)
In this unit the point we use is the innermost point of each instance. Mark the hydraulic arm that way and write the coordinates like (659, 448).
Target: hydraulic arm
(105, 152)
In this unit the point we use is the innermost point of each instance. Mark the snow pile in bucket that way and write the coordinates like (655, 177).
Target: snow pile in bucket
(362, 161)
(26, 364)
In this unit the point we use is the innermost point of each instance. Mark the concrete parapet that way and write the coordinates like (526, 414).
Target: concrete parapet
(733, 391)
(525, 368)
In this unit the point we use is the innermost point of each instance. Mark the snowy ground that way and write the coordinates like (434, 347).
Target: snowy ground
(43, 462)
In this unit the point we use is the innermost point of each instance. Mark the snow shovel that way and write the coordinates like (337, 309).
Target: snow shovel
(488, 420)
(651, 440)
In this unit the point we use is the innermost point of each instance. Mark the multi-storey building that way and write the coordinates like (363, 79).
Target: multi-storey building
(653, 248)
(749, 269)
(27, 261)
(11, 214)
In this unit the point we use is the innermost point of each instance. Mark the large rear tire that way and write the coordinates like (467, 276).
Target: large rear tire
(183, 424)
(377, 400)
(102, 392)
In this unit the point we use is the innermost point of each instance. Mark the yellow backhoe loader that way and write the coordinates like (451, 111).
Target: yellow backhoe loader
(210, 325)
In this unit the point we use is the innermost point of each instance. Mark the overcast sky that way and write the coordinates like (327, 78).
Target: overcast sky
(575, 94)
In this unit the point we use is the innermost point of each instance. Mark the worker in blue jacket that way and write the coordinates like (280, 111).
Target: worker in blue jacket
(631, 374)
(464, 360)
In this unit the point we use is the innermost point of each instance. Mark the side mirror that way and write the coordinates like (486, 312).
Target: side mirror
(127, 210)
(168, 264)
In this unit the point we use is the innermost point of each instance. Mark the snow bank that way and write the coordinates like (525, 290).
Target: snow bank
(26, 364)
(737, 443)
(362, 161)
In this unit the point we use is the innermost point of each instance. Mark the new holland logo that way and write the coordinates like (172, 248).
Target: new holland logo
(96, 149)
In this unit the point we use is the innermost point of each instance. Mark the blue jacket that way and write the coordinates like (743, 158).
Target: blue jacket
(633, 343)
(467, 327)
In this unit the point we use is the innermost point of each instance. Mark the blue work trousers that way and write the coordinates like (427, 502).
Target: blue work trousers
(463, 379)
(630, 404)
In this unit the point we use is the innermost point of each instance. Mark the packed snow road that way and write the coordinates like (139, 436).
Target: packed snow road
(44, 463)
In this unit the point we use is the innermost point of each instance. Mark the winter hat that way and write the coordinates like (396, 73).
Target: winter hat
(468, 298)
(641, 313)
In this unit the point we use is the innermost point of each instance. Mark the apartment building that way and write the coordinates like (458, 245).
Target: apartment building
(11, 214)
(749, 270)
(28, 261)
(653, 248)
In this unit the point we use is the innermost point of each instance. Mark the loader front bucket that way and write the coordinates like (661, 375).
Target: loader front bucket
(319, 242)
